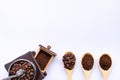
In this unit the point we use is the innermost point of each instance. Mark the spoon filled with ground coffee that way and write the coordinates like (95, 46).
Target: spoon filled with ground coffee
(87, 64)
(69, 60)
(105, 63)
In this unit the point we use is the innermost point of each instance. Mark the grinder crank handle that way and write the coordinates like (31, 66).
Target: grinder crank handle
(20, 72)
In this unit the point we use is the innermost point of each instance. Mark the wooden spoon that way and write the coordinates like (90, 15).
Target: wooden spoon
(87, 71)
(69, 62)
(103, 71)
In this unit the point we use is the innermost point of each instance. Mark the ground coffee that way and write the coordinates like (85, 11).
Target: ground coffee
(43, 59)
(105, 62)
(69, 60)
(29, 70)
(87, 61)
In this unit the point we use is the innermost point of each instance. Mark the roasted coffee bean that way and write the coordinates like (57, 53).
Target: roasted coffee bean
(87, 61)
(69, 60)
(29, 70)
(105, 62)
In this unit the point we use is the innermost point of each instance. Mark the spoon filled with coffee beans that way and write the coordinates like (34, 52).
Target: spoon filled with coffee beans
(105, 63)
(69, 60)
(87, 64)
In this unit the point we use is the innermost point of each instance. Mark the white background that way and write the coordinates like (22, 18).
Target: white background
(79, 26)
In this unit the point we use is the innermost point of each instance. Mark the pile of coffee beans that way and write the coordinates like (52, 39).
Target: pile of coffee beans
(87, 61)
(105, 62)
(69, 60)
(24, 65)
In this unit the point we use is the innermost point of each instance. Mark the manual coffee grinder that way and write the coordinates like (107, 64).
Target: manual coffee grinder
(30, 66)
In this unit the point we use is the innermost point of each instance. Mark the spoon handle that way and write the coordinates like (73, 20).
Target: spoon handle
(8, 78)
(105, 77)
(69, 75)
(105, 74)
(87, 76)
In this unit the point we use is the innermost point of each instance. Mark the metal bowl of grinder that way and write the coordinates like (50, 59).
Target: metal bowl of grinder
(21, 71)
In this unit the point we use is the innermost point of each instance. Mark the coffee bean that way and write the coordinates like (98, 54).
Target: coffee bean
(69, 60)
(29, 70)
